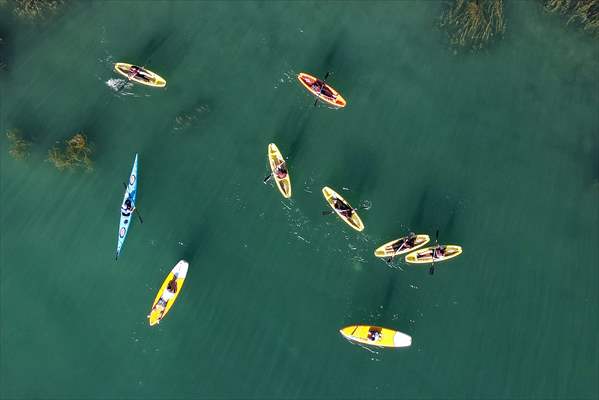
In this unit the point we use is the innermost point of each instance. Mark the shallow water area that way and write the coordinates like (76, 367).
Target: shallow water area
(498, 150)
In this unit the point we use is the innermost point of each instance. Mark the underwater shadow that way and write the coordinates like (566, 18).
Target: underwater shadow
(433, 212)
(6, 50)
(388, 293)
(292, 130)
(351, 171)
(151, 46)
(195, 238)
(332, 57)
(32, 129)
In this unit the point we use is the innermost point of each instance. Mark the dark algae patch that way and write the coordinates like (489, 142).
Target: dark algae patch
(75, 154)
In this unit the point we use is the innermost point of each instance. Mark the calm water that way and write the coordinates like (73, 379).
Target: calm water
(499, 151)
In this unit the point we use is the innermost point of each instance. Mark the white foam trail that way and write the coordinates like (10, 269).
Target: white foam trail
(116, 84)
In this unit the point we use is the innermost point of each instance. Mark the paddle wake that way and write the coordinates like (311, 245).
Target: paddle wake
(118, 84)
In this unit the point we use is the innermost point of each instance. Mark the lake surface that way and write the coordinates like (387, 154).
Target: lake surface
(498, 150)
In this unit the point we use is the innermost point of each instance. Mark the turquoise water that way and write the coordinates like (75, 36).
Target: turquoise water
(499, 151)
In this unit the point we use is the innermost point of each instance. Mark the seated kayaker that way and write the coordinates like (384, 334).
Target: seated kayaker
(281, 171)
(326, 92)
(127, 208)
(407, 243)
(342, 208)
(169, 293)
(439, 252)
(321, 88)
(138, 72)
(133, 71)
(374, 335)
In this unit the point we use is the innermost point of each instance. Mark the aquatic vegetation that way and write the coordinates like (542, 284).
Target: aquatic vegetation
(36, 8)
(19, 146)
(76, 153)
(586, 12)
(473, 23)
(187, 119)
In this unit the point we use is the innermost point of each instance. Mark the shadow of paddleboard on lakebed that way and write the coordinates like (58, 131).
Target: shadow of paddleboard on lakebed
(351, 169)
(292, 129)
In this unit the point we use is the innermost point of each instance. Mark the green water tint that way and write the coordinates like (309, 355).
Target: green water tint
(498, 150)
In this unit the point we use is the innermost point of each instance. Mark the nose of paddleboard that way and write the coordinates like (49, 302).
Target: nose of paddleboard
(402, 340)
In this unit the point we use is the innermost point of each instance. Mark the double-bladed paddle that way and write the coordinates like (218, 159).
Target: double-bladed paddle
(432, 269)
(321, 87)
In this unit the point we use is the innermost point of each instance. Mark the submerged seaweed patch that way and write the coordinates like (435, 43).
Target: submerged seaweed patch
(19, 146)
(585, 12)
(472, 24)
(188, 119)
(76, 153)
(36, 8)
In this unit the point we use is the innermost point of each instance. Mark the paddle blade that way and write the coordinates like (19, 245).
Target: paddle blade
(267, 178)
(327, 212)
(432, 270)
(437, 235)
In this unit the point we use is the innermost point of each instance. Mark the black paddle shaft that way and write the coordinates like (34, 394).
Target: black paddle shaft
(321, 87)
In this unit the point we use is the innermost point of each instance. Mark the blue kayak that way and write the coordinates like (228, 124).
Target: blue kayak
(127, 208)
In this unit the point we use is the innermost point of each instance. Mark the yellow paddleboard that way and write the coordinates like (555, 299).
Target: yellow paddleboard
(145, 76)
(376, 336)
(355, 222)
(425, 256)
(159, 311)
(275, 158)
(401, 246)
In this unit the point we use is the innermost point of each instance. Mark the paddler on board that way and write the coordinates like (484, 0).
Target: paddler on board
(138, 72)
(319, 87)
(127, 208)
(169, 293)
(405, 244)
(281, 170)
(436, 253)
(374, 335)
(342, 208)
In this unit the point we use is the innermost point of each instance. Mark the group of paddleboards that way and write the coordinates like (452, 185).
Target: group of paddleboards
(410, 245)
